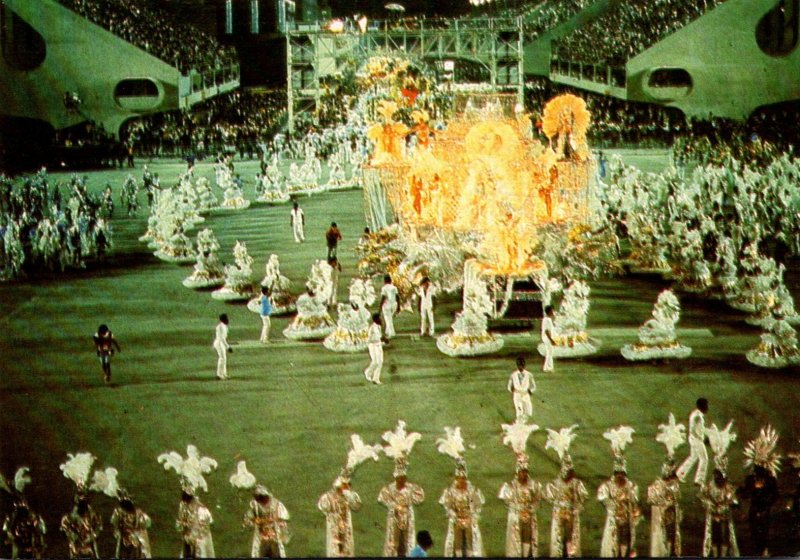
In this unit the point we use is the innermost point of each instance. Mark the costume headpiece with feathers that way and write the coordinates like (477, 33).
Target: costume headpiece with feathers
(77, 469)
(245, 480)
(398, 446)
(516, 437)
(619, 438)
(452, 445)
(359, 452)
(672, 435)
(191, 469)
(559, 441)
(16, 489)
(761, 451)
(720, 441)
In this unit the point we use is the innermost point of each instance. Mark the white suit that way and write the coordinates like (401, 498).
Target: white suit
(547, 332)
(521, 384)
(426, 309)
(297, 225)
(375, 347)
(221, 346)
(697, 449)
(389, 307)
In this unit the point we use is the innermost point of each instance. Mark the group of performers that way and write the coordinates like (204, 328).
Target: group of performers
(462, 501)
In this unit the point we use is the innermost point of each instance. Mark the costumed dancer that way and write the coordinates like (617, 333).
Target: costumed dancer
(194, 518)
(24, 529)
(265, 312)
(338, 502)
(697, 445)
(401, 496)
(375, 348)
(547, 338)
(462, 502)
(719, 497)
(130, 526)
(664, 495)
(82, 525)
(522, 496)
(568, 494)
(266, 515)
(521, 384)
(761, 486)
(388, 305)
(620, 496)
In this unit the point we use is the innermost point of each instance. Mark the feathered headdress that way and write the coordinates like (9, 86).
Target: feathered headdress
(105, 481)
(761, 451)
(191, 469)
(720, 441)
(452, 445)
(516, 437)
(672, 435)
(619, 437)
(77, 469)
(398, 446)
(245, 480)
(21, 479)
(559, 441)
(359, 452)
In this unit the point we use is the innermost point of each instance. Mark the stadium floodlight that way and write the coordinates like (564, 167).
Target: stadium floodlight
(336, 26)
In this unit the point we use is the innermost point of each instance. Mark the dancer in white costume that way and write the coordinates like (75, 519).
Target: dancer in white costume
(719, 498)
(697, 446)
(620, 496)
(375, 347)
(547, 339)
(522, 496)
(401, 496)
(521, 384)
(568, 494)
(222, 347)
(462, 502)
(298, 222)
(664, 496)
(426, 293)
(388, 305)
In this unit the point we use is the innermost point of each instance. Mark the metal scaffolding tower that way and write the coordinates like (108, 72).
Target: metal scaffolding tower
(313, 53)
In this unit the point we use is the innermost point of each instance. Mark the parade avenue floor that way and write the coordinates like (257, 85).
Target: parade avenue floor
(289, 408)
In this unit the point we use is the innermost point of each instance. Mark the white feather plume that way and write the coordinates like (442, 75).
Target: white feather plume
(105, 482)
(22, 479)
(560, 440)
(360, 452)
(720, 440)
(516, 435)
(242, 478)
(619, 437)
(452, 443)
(672, 435)
(399, 442)
(78, 467)
(192, 468)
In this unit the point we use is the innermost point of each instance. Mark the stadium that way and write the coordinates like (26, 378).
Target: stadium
(608, 189)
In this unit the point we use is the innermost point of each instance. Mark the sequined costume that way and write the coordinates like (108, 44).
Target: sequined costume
(130, 531)
(463, 513)
(567, 497)
(82, 529)
(400, 532)
(194, 522)
(522, 527)
(270, 531)
(665, 520)
(720, 532)
(24, 531)
(337, 508)
(622, 516)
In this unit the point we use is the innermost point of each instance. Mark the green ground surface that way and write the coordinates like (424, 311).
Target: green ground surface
(289, 408)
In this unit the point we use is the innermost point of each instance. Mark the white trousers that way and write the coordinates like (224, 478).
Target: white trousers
(298, 232)
(548, 357)
(373, 371)
(426, 317)
(222, 360)
(388, 320)
(697, 454)
(522, 405)
(265, 323)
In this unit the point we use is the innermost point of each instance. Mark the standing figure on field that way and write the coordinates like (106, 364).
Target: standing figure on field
(567, 494)
(718, 497)
(697, 444)
(426, 293)
(521, 385)
(620, 496)
(298, 223)
(664, 495)
(23, 528)
(761, 487)
(130, 525)
(388, 305)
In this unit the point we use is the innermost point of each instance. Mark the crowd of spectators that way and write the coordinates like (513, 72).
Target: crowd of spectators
(545, 16)
(628, 28)
(239, 120)
(157, 31)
